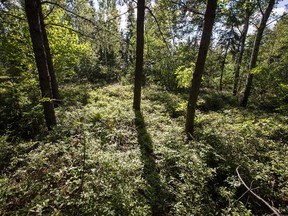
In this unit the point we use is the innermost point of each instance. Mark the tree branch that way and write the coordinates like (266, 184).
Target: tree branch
(240, 31)
(276, 19)
(15, 16)
(260, 8)
(258, 197)
(71, 29)
(85, 18)
(45, 16)
(81, 33)
(158, 26)
(255, 25)
(130, 9)
(186, 8)
(65, 9)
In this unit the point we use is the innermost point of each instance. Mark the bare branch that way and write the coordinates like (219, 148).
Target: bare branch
(115, 17)
(260, 8)
(65, 9)
(71, 29)
(240, 31)
(15, 16)
(46, 15)
(186, 8)
(258, 197)
(158, 26)
(85, 18)
(90, 36)
(247, 191)
(255, 25)
(276, 19)
(134, 2)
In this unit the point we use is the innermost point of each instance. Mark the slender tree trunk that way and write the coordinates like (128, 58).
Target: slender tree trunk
(32, 8)
(223, 66)
(241, 52)
(139, 54)
(255, 52)
(200, 63)
(54, 83)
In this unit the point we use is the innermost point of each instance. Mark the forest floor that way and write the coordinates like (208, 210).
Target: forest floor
(105, 159)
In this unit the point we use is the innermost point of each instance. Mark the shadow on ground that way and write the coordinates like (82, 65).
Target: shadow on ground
(155, 193)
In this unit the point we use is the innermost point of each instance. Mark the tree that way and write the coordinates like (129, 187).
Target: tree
(227, 42)
(129, 37)
(139, 54)
(248, 12)
(270, 84)
(200, 63)
(54, 83)
(109, 48)
(32, 8)
(255, 52)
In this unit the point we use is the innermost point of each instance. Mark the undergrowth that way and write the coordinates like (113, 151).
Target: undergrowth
(105, 159)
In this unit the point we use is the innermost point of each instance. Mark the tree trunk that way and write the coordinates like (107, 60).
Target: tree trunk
(32, 8)
(139, 54)
(200, 63)
(54, 83)
(255, 52)
(241, 52)
(223, 66)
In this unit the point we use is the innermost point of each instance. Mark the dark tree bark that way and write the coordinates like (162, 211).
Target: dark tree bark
(139, 54)
(241, 52)
(32, 8)
(255, 52)
(200, 63)
(223, 66)
(54, 83)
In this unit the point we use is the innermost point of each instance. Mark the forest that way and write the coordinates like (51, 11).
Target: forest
(134, 107)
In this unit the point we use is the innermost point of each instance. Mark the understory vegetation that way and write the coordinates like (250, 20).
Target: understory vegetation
(103, 158)
(143, 107)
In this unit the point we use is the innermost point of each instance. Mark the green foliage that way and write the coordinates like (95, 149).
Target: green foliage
(270, 86)
(211, 100)
(20, 115)
(66, 48)
(184, 75)
(20, 109)
(75, 95)
(243, 138)
(5, 154)
(171, 102)
(104, 159)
